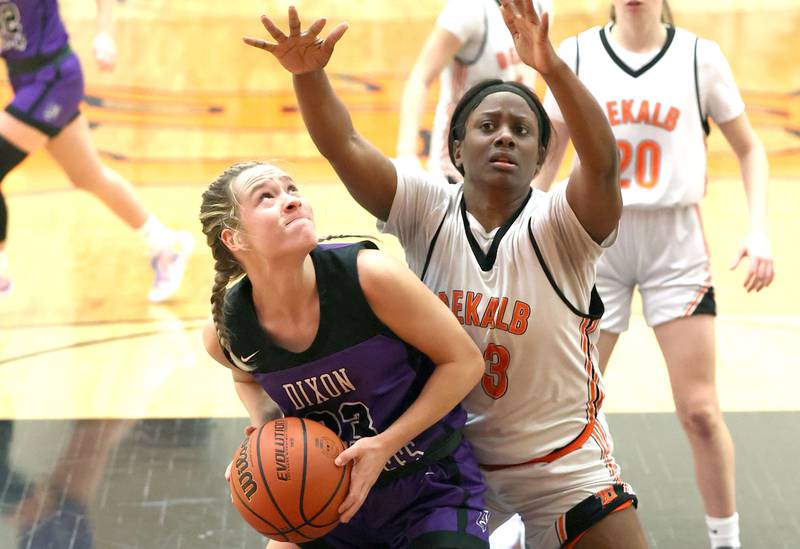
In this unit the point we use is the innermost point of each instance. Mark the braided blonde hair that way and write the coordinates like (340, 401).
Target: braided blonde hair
(219, 211)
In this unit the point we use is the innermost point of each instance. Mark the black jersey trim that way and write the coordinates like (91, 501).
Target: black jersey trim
(36, 62)
(622, 65)
(246, 330)
(441, 539)
(432, 245)
(22, 116)
(703, 117)
(593, 509)
(438, 450)
(577, 55)
(596, 307)
(486, 261)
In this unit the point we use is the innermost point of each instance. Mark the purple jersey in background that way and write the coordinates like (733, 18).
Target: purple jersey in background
(30, 28)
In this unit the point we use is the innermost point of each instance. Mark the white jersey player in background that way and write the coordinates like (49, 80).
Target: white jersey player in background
(469, 43)
(515, 265)
(658, 85)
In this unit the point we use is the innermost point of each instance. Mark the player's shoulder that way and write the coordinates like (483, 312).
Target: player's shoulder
(709, 52)
(592, 33)
(463, 9)
(376, 268)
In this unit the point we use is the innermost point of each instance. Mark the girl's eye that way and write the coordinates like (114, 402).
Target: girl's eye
(487, 125)
(522, 130)
(266, 195)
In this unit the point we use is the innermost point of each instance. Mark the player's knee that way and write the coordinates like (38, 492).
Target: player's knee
(701, 419)
(10, 156)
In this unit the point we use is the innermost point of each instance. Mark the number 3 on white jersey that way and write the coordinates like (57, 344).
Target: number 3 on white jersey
(495, 381)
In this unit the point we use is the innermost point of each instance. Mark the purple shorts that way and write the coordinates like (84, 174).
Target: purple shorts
(48, 97)
(438, 506)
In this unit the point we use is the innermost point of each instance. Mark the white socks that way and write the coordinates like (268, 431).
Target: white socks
(155, 234)
(724, 532)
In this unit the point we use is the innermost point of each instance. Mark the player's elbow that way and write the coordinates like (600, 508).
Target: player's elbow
(474, 365)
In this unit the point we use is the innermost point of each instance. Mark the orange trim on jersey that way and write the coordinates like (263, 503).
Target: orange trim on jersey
(573, 543)
(595, 395)
(588, 326)
(707, 284)
(579, 441)
(695, 301)
(702, 229)
(601, 438)
(561, 528)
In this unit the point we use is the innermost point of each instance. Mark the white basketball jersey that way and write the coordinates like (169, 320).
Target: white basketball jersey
(509, 288)
(655, 115)
(488, 51)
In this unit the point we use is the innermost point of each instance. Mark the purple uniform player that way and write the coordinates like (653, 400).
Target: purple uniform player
(47, 81)
(335, 334)
(45, 75)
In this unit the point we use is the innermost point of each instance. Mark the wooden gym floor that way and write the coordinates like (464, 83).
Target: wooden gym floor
(118, 395)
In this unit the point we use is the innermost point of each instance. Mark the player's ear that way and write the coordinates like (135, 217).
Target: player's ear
(231, 239)
(457, 160)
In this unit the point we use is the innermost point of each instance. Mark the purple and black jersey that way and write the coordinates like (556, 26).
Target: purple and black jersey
(357, 377)
(45, 74)
(31, 28)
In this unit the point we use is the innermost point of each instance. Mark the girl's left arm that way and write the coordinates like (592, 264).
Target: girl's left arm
(755, 170)
(405, 305)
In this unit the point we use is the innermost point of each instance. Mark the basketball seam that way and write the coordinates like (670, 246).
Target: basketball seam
(239, 496)
(302, 494)
(292, 528)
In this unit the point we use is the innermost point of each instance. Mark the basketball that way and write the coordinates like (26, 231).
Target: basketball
(285, 483)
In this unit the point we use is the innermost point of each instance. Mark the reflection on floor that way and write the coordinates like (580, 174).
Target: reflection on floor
(158, 483)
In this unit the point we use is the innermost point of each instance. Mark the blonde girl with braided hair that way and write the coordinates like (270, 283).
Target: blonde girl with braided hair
(354, 324)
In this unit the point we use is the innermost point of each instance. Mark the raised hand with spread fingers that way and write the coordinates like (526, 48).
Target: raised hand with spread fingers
(299, 52)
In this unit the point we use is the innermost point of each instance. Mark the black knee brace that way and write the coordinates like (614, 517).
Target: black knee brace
(10, 157)
(3, 218)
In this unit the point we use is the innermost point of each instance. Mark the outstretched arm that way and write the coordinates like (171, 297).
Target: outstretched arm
(440, 48)
(755, 170)
(366, 172)
(105, 50)
(593, 191)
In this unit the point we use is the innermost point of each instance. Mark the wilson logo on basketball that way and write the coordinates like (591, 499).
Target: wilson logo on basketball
(281, 452)
(246, 482)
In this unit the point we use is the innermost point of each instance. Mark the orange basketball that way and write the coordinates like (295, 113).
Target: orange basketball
(285, 483)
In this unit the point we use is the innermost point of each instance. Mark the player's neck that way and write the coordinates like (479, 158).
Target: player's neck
(491, 207)
(639, 36)
(285, 291)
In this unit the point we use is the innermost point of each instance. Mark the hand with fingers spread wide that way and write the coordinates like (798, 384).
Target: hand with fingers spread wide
(530, 34)
(369, 456)
(300, 52)
(762, 271)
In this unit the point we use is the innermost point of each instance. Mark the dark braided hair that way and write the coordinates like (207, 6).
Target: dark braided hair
(476, 94)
